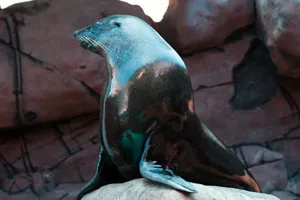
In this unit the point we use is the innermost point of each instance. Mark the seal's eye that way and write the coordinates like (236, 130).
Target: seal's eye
(118, 24)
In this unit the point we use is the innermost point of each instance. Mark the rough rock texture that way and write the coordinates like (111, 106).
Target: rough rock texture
(254, 155)
(146, 190)
(271, 176)
(198, 23)
(278, 25)
(50, 161)
(284, 195)
(294, 184)
(267, 166)
(204, 67)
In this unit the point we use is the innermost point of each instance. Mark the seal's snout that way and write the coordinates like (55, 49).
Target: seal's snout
(76, 33)
(87, 39)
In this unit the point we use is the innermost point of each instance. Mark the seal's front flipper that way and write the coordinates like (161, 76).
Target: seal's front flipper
(155, 172)
(106, 173)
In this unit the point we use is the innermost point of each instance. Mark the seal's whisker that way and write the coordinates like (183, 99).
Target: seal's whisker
(93, 42)
(109, 51)
(97, 43)
(87, 40)
(103, 46)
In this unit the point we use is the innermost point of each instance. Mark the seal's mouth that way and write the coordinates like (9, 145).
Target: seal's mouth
(85, 42)
(89, 46)
(86, 45)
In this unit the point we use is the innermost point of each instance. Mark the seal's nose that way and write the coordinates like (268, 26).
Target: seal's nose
(76, 33)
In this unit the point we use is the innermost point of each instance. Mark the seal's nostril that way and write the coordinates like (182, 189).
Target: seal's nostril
(75, 33)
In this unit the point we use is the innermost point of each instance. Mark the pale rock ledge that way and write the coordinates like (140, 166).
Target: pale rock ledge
(143, 189)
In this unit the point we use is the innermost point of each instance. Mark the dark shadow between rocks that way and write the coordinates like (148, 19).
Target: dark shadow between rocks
(255, 78)
(241, 33)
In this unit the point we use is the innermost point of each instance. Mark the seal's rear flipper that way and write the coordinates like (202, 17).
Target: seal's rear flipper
(106, 173)
(157, 173)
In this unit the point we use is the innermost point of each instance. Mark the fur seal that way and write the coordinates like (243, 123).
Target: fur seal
(149, 127)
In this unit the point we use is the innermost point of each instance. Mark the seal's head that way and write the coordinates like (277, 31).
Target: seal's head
(99, 36)
(122, 36)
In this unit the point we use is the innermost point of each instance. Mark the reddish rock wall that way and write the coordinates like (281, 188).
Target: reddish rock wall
(50, 83)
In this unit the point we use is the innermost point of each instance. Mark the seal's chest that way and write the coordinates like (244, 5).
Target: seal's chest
(131, 144)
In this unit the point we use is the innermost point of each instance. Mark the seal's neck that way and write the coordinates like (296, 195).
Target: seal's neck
(124, 60)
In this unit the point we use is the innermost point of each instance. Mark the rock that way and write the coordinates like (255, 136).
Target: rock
(38, 182)
(268, 123)
(284, 195)
(270, 176)
(290, 155)
(15, 184)
(26, 195)
(78, 167)
(116, 7)
(63, 191)
(44, 158)
(43, 181)
(277, 22)
(194, 25)
(252, 155)
(255, 78)
(7, 99)
(45, 74)
(289, 146)
(4, 35)
(294, 184)
(266, 166)
(146, 190)
(205, 67)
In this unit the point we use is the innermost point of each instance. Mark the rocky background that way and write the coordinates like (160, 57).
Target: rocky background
(243, 57)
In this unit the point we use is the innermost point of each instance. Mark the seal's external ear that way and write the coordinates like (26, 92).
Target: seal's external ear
(117, 24)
